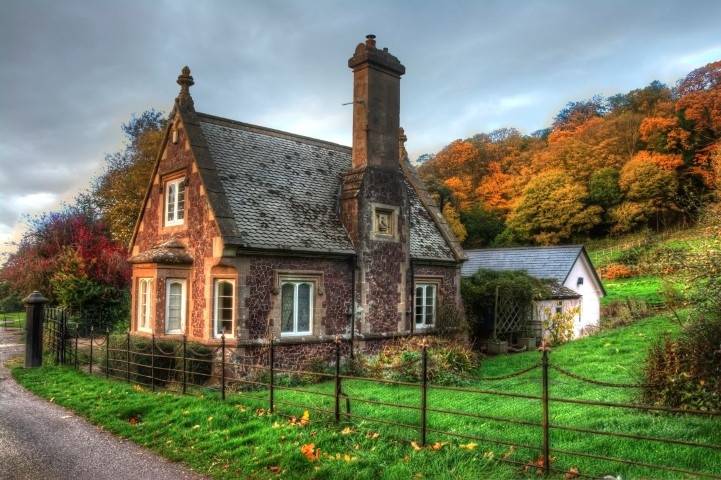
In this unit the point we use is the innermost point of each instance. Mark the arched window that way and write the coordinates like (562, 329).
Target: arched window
(224, 308)
(145, 288)
(175, 306)
(296, 317)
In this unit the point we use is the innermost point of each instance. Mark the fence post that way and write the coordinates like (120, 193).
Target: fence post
(271, 361)
(107, 352)
(77, 337)
(91, 349)
(63, 333)
(152, 363)
(34, 312)
(337, 380)
(424, 391)
(222, 367)
(544, 401)
(185, 347)
(127, 356)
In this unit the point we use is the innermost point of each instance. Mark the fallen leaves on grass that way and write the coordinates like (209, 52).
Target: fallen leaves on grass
(302, 421)
(436, 446)
(346, 431)
(373, 435)
(275, 469)
(310, 452)
(260, 412)
(134, 420)
(469, 446)
(571, 473)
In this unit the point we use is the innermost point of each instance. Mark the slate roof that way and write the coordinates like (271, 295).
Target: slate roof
(559, 292)
(283, 191)
(541, 262)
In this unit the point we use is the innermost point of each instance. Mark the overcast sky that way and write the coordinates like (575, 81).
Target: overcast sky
(71, 72)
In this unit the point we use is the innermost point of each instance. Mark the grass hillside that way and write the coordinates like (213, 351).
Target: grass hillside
(645, 261)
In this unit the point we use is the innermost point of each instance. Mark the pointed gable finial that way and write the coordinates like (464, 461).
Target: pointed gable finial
(185, 80)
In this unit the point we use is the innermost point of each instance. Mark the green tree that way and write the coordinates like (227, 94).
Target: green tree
(603, 188)
(482, 226)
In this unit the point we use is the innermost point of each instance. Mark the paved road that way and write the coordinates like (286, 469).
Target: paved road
(42, 441)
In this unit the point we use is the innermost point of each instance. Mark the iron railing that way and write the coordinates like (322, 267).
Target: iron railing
(229, 368)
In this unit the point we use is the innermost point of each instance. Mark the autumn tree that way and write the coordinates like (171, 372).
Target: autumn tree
(454, 221)
(650, 185)
(120, 190)
(552, 209)
(70, 257)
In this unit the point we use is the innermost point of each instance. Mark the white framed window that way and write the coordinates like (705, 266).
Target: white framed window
(425, 315)
(145, 291)
(296, 316)
(175, 301)
(223, 307)
(175, 202)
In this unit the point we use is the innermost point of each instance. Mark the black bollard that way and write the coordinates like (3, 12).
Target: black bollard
(34, 312)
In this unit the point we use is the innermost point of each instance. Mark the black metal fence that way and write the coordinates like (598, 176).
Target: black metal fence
(184, 366)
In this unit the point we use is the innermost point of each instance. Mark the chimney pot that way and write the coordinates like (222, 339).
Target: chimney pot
(370, 40)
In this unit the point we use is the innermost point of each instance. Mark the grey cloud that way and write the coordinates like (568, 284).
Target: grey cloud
(71, 72)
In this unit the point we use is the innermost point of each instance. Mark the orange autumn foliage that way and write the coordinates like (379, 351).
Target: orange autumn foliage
(647, 158)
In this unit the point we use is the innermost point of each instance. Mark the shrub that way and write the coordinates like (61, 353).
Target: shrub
(198, 363)
(558, 325)
(686, 373)
(449, 361)
(620, 313)
(615, 271)
(451, 321)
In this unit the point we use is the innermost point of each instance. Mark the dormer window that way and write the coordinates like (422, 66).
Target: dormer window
(175, 202)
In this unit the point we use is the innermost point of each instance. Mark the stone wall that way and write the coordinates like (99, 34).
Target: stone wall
(197, 234)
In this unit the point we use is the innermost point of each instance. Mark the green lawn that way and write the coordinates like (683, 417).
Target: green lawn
(12, 320)
(227, 439)
(647, 288)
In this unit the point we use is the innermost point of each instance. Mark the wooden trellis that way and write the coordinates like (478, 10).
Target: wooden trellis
(509, 316)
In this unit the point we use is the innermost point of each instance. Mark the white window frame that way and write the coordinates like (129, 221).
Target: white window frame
(311, 303)
(216, 311)
(145, 305)
(178, 183)
(423, 324)
(183, 301)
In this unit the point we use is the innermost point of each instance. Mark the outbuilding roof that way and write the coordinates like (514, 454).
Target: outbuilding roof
(552, 262)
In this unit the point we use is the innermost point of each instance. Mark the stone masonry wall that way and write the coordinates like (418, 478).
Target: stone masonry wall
(196, 233)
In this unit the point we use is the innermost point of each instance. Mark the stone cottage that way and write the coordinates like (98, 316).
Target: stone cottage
(252, 233)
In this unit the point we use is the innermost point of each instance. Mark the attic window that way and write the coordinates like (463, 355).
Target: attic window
(175, 202)
(175, 135)
(579, 282)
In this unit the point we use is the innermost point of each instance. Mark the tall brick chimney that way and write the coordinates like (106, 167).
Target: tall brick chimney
(376, 105)
(374, 200)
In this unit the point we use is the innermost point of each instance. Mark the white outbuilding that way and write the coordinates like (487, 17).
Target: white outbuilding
(576, 283)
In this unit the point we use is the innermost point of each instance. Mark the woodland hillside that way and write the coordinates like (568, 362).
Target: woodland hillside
(649, 158)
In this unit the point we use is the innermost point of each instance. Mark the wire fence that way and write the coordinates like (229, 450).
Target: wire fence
(332, 391)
